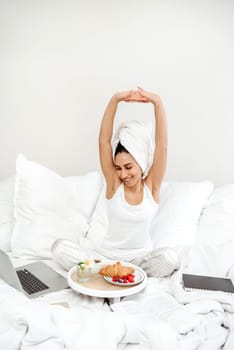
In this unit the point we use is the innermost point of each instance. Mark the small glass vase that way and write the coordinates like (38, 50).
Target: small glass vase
(84, 272)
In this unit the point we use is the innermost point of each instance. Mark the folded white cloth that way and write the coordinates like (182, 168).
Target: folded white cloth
(136, 138)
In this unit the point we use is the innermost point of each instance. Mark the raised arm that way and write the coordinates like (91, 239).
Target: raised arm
(105, 135)
(158, 168)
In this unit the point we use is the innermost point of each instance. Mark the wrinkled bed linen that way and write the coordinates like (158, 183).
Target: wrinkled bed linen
(173, 318)
(163, 316)
(29, 324)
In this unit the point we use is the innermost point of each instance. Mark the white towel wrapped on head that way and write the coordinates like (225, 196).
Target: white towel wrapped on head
(136, 138)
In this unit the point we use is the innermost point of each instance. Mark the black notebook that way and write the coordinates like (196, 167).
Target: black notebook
(198, 282)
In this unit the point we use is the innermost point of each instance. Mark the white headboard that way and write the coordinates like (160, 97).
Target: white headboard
(61, 62)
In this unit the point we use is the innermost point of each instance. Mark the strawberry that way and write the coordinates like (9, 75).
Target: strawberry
(130, 279)
(115, 279)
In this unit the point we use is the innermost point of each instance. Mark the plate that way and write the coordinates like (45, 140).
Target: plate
(101, 289)
(139, 277)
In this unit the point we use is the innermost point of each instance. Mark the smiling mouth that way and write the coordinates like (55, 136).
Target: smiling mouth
(127, 180)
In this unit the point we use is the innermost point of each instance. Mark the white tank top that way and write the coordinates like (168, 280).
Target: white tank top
(128, 234)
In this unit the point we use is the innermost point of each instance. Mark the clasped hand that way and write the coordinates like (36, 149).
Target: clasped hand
(139, 95)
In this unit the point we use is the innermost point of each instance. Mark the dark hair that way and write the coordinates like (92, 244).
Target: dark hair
(119, 149)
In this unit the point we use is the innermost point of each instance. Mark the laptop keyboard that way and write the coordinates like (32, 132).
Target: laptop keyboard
(30, 283)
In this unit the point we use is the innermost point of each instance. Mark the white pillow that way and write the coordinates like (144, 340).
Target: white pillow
(217, 221)
(180, 207)
(86, 188)
(99, 221)
(48, 206)
(6, 212)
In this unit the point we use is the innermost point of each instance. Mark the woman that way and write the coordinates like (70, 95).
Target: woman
(133, 172)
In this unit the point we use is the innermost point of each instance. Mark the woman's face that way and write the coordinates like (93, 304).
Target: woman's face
(127, 169)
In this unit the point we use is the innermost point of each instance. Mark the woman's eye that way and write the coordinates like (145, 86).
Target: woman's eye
(129, 167)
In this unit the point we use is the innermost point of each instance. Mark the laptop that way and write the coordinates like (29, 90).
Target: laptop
(209, 283)
(33, 279)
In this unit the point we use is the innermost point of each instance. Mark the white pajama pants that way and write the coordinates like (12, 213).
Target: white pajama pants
(159, 263)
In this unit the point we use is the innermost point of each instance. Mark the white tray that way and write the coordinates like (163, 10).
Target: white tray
(98, 287)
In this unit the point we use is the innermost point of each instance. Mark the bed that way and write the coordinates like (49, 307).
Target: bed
(195, 218)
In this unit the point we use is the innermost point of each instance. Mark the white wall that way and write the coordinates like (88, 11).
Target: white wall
(60, 61)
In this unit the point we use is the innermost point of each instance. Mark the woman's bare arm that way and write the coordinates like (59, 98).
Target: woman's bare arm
(158, 168)
(105, 135)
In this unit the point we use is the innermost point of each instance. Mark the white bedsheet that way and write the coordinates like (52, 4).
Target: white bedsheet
(171, 318)
(35, 324)
(163, 316)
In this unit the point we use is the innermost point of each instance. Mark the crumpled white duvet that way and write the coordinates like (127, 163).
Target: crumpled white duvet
(163, 317)
(203, 323)
(33, 324)
(172, 318)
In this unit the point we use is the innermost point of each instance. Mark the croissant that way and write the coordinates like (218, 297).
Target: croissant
(116, 269)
